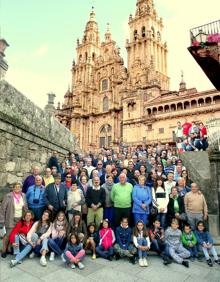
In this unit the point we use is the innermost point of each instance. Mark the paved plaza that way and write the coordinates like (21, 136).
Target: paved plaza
(102, 270)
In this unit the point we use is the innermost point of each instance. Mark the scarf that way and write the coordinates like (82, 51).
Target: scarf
(109, 186)
(17, 197)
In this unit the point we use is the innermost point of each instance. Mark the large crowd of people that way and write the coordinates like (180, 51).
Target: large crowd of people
(112, 204)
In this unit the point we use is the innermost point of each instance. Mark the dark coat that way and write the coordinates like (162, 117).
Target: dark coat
(57, 200)
(170, 208)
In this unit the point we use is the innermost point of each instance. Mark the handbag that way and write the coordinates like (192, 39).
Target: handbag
(154, 211)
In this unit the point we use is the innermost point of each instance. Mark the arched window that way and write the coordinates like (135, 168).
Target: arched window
(93, 56)
(158, 36)
(152, 32)
(105, 136)
(86, 56)
(80, 58)
(143, 31)
(135, 35)
(105, 104)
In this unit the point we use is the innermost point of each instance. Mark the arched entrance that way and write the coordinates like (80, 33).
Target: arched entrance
(105, 136)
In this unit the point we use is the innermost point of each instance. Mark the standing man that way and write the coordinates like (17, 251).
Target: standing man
(195, 206)
(30, 179)
(95, 199)
(55, 196)
(121, 196)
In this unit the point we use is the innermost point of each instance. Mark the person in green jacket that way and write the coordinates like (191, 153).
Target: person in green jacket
(121, 196)
(189, 241)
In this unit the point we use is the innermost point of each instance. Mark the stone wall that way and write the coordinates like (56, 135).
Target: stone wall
(28, 135)
(205, 171)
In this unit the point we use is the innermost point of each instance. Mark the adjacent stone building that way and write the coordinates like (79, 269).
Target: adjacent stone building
(109, 103)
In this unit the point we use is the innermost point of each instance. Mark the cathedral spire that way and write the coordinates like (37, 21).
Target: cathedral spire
(108, 33)
(92, 15)
(182, 83)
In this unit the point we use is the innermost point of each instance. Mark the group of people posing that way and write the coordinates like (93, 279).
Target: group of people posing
(112, 206)
(191, 137)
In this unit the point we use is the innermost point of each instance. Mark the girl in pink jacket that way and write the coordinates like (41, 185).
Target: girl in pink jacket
(107, 238)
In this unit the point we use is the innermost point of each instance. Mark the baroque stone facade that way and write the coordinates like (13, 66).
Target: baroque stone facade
(28, 136)
(109, 103)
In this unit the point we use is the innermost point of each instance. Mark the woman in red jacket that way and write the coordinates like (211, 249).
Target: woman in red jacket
(203, 135)
(18, 235)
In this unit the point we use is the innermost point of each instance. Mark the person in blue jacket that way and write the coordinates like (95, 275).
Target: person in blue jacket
(35, 198)
(205, 243)
(141, 196)
(124, 246)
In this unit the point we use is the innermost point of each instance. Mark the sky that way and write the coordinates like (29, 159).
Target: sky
(42, 35)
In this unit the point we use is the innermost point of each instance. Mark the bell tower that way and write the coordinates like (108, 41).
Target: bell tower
(147, 53)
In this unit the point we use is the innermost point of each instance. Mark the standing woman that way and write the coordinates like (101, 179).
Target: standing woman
(12, 208)
(108, 210)
(75, 200)
(160, 201)
(141, 196)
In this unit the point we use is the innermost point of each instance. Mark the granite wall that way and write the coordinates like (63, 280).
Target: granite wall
(28, 136)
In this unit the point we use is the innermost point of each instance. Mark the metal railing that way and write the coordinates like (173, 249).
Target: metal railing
(210, 28)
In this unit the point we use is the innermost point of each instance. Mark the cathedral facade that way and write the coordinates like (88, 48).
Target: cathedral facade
(108, 103)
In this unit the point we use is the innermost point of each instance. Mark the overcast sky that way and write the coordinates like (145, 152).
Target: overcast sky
(42, 35)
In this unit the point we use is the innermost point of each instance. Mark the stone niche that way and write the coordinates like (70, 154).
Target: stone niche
(28, 136)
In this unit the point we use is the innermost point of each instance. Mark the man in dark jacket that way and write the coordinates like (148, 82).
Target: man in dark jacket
(55, 196)
(95, 199)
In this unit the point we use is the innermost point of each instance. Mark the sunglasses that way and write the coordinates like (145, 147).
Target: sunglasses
(68, 176)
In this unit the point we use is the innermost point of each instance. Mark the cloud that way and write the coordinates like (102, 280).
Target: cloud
(42, 50)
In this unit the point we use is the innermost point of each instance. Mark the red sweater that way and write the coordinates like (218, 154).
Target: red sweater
(20, 228)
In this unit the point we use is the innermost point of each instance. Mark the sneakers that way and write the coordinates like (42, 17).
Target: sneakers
(185, 263)
(52, 256)
(63, 258)
(80, 265)
(166, 260)
(117, 256)
(141, 263)
(43, 261)
(132, 259)
(4, 255)
(13, 263)
(94, 256)
(209, 262)
(217, 261)
(72, 265)
(145, 262)
(32, 255)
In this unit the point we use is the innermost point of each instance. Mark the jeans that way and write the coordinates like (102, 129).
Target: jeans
(179, 253)
(156, 246)
(193, 251)
(17, 249)
(104, 253)
(141, 216)
(55, 245)
(128, 252)
(162, 218)
(207, 251)
(26, 250)
(142, 242)
(39, 248)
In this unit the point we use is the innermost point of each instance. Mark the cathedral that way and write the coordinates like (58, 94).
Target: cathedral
(109, 103)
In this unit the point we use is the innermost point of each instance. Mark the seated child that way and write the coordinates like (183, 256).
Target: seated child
(58, 235)
(107, 238)
(205, 243)
(189, 241)
(124, 246)
(157, 237)
(142, 242)
(74, 252)
(92, 239)
(173, 239)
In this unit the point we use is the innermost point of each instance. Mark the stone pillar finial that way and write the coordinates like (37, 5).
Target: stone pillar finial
(50, 103)
(3, 63)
